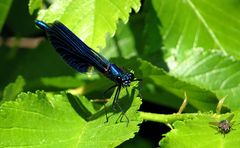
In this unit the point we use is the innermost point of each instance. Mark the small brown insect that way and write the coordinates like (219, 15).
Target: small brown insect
(224, 126)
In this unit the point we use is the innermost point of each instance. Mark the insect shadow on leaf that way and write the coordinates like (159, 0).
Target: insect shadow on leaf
(78, 106)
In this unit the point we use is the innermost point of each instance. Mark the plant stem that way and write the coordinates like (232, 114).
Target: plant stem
(166, 118)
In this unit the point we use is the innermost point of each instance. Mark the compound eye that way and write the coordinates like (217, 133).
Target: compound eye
(131, 76)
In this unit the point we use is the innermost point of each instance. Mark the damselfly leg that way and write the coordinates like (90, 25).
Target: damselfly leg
(116, 102)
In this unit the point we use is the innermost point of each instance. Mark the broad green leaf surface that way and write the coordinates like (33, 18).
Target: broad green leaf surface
(185, 24)
(155, 78)
(13, 89)
(90, 20)
(40, 120)
(213, 71)
(4, 7)
(198, 133)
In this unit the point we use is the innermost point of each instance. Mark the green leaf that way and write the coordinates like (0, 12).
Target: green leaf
(186, 24)
(33, 5)
(51, 120)
(68, 81)
(213, 71)
(150, 40)
(122, 44)
(156, 82)
(13, 89)
(199, 133)
(4, 7)
(90, 20)
(33, 65)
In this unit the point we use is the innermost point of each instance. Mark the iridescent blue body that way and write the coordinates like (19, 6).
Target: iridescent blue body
(79, 56)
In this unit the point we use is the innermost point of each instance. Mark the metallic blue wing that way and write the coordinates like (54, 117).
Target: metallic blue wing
(74, 51)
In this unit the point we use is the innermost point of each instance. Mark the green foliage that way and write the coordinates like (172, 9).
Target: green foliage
(13, 89)
(200, 133)
(155, 77)
(33, 5)
(199, 23)
(223, 68)
(4, 7)
(51, 120)
(174, 46)
(91, 15)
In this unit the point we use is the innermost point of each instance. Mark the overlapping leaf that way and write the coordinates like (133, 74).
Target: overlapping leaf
(90, 20)
(13, 89)
(213, 71)
(163, 88)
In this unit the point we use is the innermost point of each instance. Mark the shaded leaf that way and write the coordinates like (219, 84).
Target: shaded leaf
(138, 142)
(122, 44)
(32, 65)
(4, 7)
(151, 42)
(13, 89)
(67, 81)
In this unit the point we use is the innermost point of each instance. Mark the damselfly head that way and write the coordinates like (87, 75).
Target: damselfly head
(125, 79)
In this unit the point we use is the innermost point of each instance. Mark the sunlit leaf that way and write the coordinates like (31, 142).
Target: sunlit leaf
(213, 71)
(186, 24)
(199, 133)
(156, 82)
(90, 20)
(40, 119)
(33, 5)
